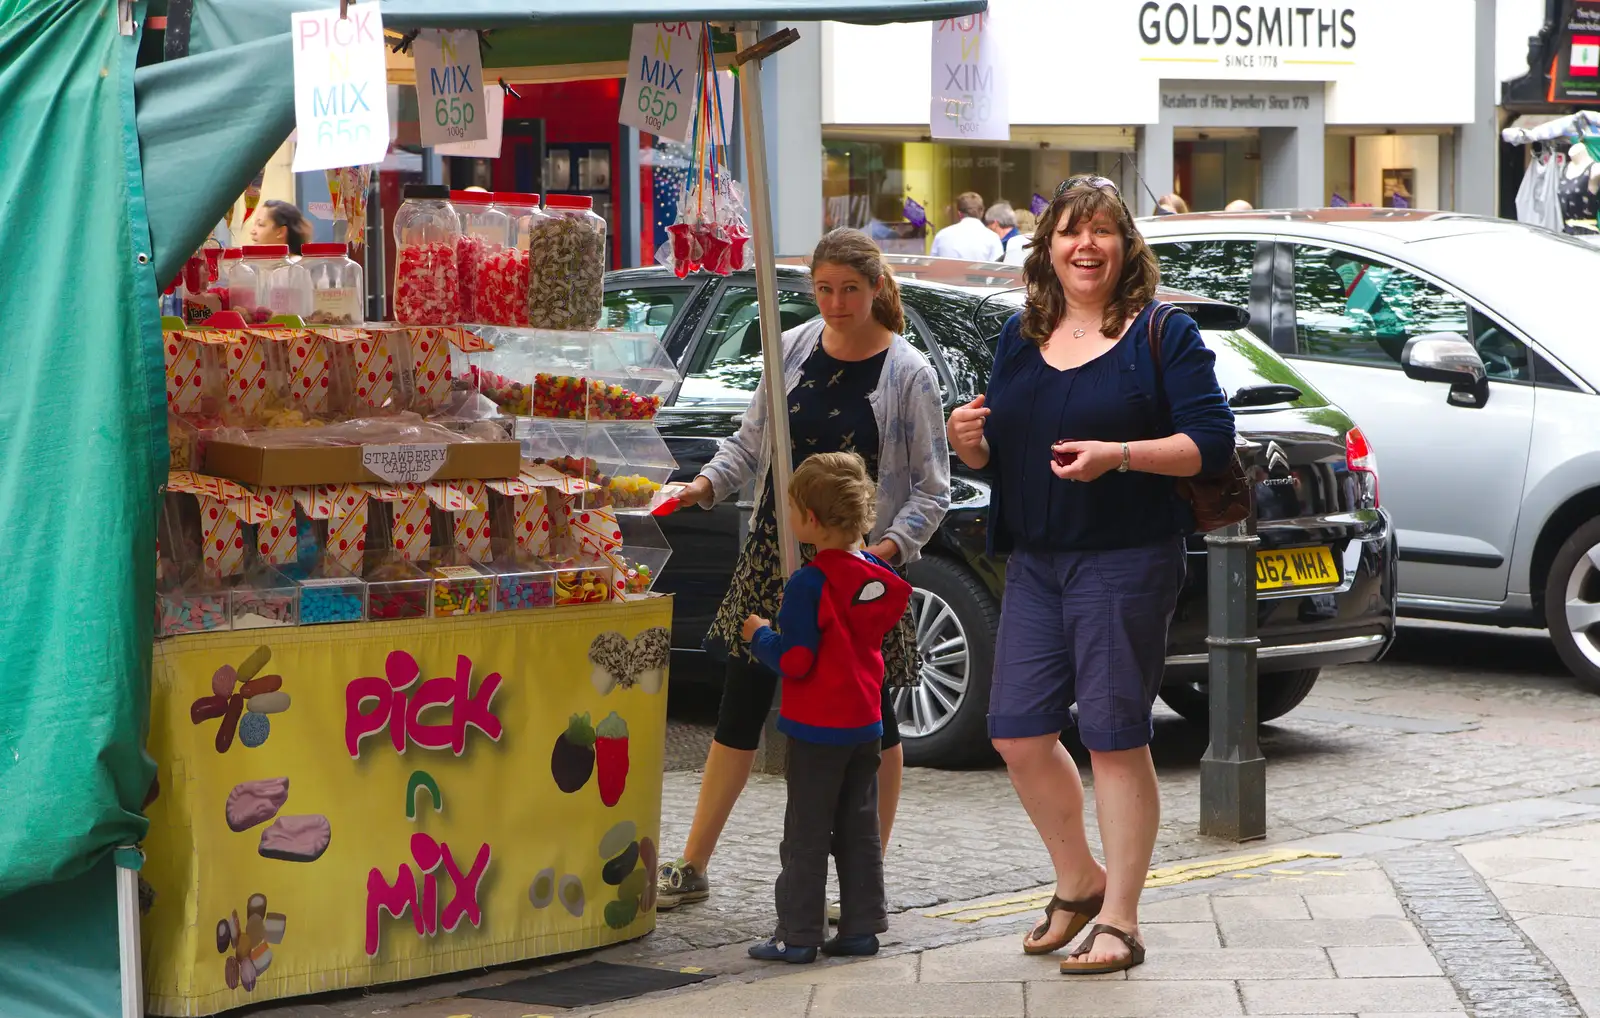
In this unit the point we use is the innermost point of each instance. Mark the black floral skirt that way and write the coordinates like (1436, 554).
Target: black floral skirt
(757, 589)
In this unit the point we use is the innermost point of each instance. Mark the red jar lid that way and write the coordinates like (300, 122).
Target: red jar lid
(568, 201)
(471, 197)
(266, 250)
(515, 198)
(325, 250)
(232, 252)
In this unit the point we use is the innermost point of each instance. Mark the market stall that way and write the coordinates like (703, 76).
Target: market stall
(365, 755)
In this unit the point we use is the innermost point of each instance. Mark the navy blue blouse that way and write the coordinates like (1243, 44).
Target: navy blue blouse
(1110, 399)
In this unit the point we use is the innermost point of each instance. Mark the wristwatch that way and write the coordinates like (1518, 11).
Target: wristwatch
(1124, 467)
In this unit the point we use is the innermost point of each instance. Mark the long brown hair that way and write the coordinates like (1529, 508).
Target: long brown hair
(1047, 302)
(855, 251)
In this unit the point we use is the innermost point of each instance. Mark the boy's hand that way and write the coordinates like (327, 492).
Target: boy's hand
(751, 624)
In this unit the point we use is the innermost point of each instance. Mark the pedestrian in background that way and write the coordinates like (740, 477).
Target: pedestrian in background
(1001, 220)
(969, 238)
(828, 649)
(855, 384)
(1017, 246)
(1082, 435)
(1171, 205)
(1238, 205)
(280, 222)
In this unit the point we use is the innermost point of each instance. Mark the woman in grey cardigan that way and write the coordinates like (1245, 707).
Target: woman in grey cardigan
(855, 385)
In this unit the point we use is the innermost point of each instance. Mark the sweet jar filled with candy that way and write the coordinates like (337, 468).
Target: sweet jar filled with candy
(427, 231)
(566, 265)
(338, 289)
(485, 237)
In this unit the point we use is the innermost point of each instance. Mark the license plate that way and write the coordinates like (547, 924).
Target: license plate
(1296, 567)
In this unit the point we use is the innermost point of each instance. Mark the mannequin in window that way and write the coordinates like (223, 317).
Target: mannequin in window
(1580, 183)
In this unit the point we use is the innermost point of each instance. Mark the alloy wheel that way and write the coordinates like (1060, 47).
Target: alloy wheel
(1583, 604)
(942, 643)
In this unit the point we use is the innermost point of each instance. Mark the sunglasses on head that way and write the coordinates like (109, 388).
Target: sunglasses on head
(1086, 181)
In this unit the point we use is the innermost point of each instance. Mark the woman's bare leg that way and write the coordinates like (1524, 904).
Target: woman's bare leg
(727, 771)
(1128, 805)
(891, 775)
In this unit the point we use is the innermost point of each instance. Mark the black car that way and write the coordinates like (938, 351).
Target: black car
(1326, 567)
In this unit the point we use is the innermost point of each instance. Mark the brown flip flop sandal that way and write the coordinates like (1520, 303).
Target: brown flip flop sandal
(1082, 912)
(1079, 968)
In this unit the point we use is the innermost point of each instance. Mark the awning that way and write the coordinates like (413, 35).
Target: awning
(206, 127)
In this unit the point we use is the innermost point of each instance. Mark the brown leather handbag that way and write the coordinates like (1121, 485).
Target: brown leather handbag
(1218, 499)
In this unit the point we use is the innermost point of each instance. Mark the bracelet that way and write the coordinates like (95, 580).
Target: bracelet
(1125, 459)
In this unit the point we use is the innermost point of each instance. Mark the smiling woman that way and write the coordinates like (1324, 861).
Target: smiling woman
(1083, 437)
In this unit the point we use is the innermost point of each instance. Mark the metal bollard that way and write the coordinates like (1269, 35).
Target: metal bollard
(1233, 773)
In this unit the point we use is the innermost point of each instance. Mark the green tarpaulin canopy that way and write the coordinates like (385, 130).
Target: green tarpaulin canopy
(114, 165)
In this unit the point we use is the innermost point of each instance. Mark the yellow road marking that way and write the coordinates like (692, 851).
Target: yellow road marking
(1164, 877)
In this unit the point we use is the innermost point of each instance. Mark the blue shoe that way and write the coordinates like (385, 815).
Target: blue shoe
(777, 950)
(851, 947)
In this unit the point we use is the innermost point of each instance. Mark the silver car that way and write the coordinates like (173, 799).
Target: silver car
(1461, 346)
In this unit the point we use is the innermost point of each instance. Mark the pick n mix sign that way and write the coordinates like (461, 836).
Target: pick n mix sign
(659, 93)
(341, 109)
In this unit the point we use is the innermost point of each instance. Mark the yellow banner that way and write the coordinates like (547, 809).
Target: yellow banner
(348, 805)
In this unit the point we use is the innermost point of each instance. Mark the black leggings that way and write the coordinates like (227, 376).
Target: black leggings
(747, 693)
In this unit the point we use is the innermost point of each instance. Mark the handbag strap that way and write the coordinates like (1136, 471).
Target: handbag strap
(1158, 327)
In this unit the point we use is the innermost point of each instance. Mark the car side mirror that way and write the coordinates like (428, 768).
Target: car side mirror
(1447, 357)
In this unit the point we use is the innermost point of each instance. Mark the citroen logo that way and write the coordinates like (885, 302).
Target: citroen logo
(1278, 469)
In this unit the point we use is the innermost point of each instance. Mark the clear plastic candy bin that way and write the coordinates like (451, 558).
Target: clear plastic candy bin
(328, 593)
(522, 583)
(396, 588)
(582, 580)
(264, 598)
(460, 586)
(644, 553)
(580, 376)
(195, 604)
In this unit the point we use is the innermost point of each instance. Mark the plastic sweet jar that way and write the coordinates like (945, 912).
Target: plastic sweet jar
(338, 290)
(241, 281)
(567, 265)
(485, 235)
(285, 285)
(426, 231)
(522, 208)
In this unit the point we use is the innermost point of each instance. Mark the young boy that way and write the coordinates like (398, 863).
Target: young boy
(828, 650)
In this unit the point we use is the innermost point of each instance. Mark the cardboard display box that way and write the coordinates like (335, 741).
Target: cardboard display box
(296, 467)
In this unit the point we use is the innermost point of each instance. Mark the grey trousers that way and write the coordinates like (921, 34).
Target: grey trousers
(833, 810)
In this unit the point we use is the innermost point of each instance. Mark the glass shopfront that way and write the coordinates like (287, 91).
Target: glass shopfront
(870, 185)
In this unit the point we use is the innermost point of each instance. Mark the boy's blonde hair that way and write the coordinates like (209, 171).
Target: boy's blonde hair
(837, 488)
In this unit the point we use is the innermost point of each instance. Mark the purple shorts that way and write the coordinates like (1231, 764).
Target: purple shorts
(1084, 627)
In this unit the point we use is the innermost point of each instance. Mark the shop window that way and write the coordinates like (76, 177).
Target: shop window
(1219, 269)
(726, 365)
(1358, 310)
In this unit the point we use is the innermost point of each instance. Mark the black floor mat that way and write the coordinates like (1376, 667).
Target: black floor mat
(597, 982)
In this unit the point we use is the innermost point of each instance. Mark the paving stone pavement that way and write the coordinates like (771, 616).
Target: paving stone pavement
(1381, 933)
(1457, 735)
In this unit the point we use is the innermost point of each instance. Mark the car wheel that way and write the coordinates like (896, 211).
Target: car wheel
(1277, 693)
(1572, 603)
(944, 720)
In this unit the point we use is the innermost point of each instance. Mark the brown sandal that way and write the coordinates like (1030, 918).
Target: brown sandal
(1082, 912)
(1079, 968)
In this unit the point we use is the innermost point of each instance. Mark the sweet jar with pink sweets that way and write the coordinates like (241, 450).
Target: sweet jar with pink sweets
(427, 230)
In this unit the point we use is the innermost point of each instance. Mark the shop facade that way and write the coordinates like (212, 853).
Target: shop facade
(1358, 102)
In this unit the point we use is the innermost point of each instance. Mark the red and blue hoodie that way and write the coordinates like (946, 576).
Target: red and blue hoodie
(829, 646)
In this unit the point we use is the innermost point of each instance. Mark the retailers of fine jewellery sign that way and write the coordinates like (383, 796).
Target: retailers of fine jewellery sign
(451, 100)
(341, 112)
(969, 85)
(659, 92)
(1575, 78)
